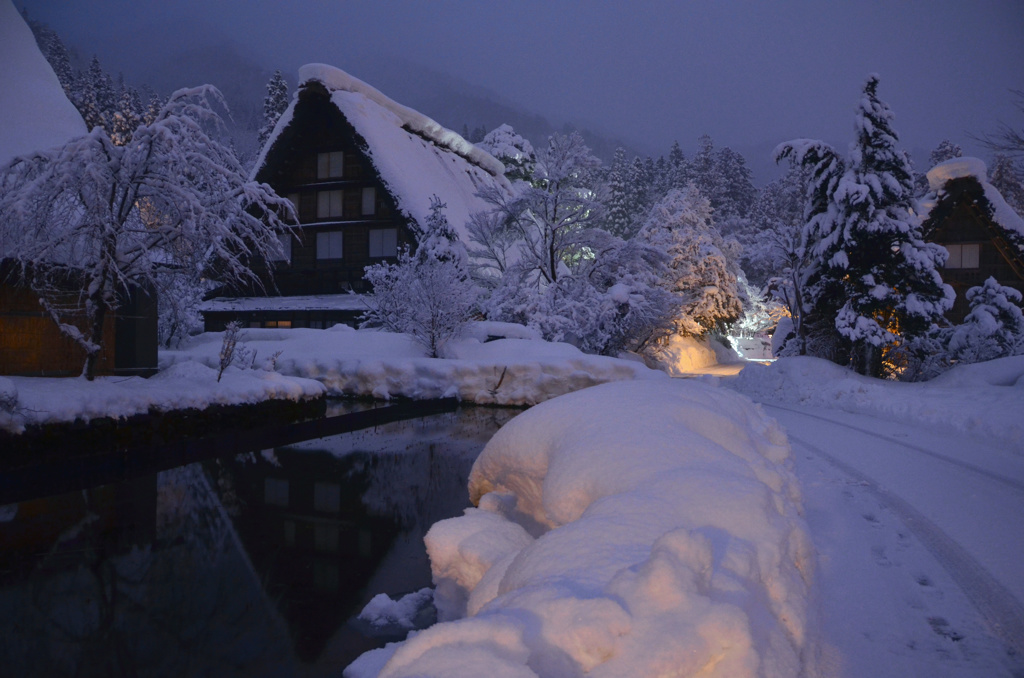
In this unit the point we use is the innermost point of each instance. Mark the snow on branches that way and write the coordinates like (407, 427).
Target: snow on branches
(173, 197)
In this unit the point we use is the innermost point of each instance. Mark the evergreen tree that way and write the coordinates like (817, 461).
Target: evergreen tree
(704, 169)
(127, 117)
(891, 285)
(619, 219)
(994, 328)
(699, 273)
(274, 104)
(678, 167)
(736, 192)
(55, 53)
(514, 152)
(946, 150)
(1008, 178)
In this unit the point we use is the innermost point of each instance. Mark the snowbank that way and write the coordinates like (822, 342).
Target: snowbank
(370, 363)
(36, 113)
(685, 355)
(631, 529)
(985, 399)
(184, 385)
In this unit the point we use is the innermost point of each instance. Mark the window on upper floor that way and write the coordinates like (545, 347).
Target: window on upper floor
(384, 242)
(963, 256)
(330, 245)
(329, 204)
(369, 201)
(330, 165)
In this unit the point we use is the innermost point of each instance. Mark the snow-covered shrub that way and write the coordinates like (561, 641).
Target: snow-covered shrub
(229, 343)
(428, 295)
(994, 328)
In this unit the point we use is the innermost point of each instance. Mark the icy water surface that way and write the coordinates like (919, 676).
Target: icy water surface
(254, 563)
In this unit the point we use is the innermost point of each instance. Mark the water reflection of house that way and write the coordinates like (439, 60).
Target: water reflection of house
(983, 235)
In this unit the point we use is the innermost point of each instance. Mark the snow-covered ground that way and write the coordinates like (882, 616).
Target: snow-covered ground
(36, 400)
(519, 369)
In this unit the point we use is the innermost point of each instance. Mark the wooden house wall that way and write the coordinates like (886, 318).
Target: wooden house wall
(291, 167)
(31, 344)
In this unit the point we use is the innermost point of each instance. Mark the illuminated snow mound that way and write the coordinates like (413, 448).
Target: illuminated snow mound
(630, 529)
(34, 111)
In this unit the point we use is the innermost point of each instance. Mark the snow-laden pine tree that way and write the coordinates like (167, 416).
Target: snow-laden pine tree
(892, 290)
(274, 104)
(1007, 177)
(127, 117)
(104, 217)
(811, 294)
(994, 328)
(699, 273)
(678, 168)
(513, 150)
(619, 218)
(428, 295)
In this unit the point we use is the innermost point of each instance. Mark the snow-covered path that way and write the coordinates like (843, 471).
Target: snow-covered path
(920, 545)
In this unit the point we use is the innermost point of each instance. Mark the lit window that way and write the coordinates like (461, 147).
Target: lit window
(384, 242)
(369, 201)
(329, 245)
(285, 253)
(279, 324)
(275, 491)
(327, 497)
(329, 204)
(330, 165)
(963, 256)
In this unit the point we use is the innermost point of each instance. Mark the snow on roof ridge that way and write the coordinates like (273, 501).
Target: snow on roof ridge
(336, 79)
(958, 168)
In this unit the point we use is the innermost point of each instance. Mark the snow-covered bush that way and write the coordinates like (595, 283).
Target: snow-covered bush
(994, 328)
(428, 295)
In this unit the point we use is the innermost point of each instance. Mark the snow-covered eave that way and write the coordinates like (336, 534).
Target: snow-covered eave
(324, 302)
(335, 79)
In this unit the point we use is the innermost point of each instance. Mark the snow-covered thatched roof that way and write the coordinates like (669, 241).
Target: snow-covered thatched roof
(415, 156)
(35, 114)
(1002, 214)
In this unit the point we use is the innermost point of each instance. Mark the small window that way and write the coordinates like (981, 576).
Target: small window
(330, 165)
(325, 538)
(963, 256)
(278, 324)
(285, 253)
(327, 497)
(329, 245)
(329, 204)
(369, 201)
(384, 242)
(275, 491)
(316, 324)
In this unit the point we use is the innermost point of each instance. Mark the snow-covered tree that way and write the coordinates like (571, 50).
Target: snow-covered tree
(1007, 177)
(698, 271)
(274, 104)
(994, 328)
(127, 117)
(946, 150)
(619, 219)
(428, 295)
(554, 218)
(891, 287)
(107, 216)
(808, 289)
(514, 152)
(55, 53)
(735, 193)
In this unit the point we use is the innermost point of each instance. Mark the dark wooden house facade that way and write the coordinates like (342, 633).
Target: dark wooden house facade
(983, 235)
(360, 170)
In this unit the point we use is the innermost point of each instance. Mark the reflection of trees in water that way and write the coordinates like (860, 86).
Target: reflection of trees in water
(176, 605)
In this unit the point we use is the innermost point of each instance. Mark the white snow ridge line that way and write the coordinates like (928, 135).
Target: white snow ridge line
(999, 609)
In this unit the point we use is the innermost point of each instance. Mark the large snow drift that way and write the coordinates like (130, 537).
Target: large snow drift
(370, 363)
(35, 114)
(630, 529)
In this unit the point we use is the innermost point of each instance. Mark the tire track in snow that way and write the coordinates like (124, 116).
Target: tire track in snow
(998, 607)
(1012, 484)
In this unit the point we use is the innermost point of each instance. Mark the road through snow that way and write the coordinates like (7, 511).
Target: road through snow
(920, 546)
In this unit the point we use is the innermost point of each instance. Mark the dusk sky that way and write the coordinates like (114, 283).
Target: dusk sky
(751, 74)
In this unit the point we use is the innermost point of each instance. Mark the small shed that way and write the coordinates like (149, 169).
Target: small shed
(983, 235)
